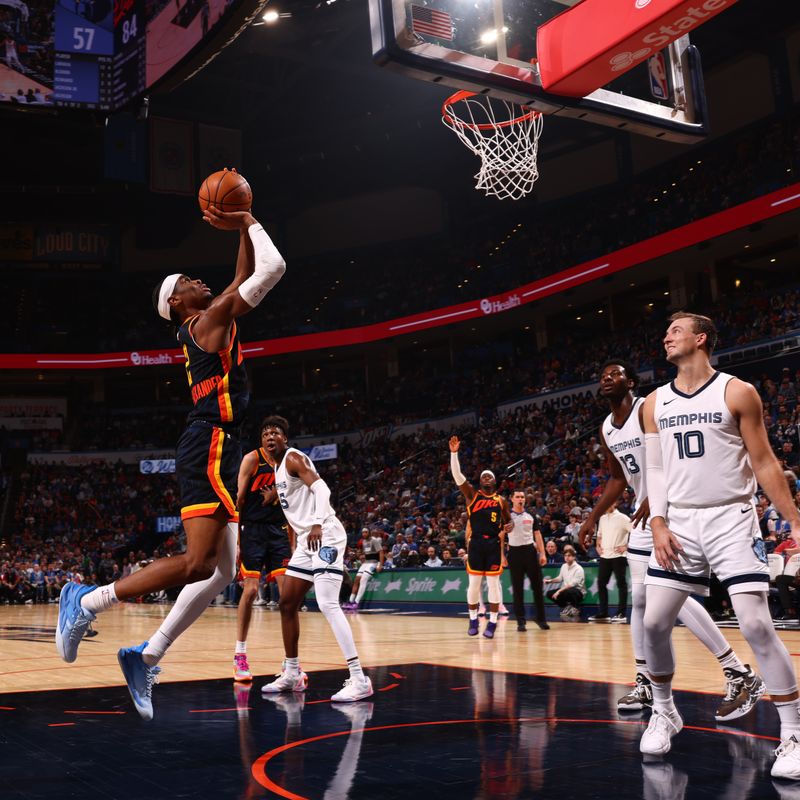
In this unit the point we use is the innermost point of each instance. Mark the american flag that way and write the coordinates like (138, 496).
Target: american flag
(429, 22)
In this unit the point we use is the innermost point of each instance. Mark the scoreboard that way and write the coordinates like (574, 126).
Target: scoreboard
(104, 54)
(99, 53)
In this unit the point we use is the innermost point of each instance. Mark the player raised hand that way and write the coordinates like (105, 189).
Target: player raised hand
(454, 444)
(228, 220)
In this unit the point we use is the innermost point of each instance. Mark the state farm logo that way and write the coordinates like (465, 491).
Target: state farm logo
(661, 34)
(493, 306)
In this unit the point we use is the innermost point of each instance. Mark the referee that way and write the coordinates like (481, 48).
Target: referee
(525, 558)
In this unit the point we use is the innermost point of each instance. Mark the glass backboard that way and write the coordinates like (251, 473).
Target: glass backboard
(490, 46)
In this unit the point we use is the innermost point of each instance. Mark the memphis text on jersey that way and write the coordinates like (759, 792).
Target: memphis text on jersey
(629, 444)
(679, 420)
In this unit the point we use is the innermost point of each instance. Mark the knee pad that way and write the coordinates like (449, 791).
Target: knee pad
(495, 593)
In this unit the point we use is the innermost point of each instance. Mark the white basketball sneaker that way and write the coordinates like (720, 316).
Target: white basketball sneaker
(787, 761)
(353, 690)
(287, 682)
(657, 739)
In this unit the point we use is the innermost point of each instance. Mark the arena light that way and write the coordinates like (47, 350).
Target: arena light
(271, 16)
(490, 36)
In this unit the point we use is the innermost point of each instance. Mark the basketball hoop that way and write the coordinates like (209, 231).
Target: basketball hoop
(504, 135)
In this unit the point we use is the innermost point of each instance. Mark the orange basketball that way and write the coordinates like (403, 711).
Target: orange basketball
(226, 190)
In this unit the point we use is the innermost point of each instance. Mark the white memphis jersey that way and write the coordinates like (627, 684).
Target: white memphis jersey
(297, 500)
(626, 442)
(705, 460)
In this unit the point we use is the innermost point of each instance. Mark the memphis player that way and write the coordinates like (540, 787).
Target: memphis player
(489, 522)
(622, 437)
(318, 560)
(707, 450)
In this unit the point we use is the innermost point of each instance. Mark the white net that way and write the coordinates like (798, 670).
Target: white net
(504, 135)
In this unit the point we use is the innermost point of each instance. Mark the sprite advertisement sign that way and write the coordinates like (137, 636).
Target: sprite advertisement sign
(450, 586)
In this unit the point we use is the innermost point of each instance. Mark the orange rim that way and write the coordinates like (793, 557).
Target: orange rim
(463, 94)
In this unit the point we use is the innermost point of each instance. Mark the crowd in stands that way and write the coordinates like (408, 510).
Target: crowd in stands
(95, 522)
(482, 376)
(494, 255)
(91, 524)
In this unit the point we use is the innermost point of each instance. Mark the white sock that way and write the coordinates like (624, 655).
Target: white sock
(362, 588)
(193, 600)
(101, 599)
(326, 588)
(241, 648)
(730, 660)
(662, 697)
(789, 712)
(291, 665)
(156, 648)
(354, 665)
(493, 616)
(695, 617)
(473, 613)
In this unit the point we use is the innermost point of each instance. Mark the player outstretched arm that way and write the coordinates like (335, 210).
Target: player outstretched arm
(666, 547)
(614, 487)
(259, 266)
(744, 403)
(466, 487)
(300, 467)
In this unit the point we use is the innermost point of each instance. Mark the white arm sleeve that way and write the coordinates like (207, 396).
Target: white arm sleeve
(322, 501)
(269, 268)
(455, 468)
(656, 485)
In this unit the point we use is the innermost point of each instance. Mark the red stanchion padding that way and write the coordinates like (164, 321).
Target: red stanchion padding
(595, 41)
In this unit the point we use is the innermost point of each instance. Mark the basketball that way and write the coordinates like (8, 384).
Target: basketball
(226, 190)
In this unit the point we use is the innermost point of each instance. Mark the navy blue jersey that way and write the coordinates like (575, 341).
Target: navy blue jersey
(486, 515)
(218, 380)
(254, 510)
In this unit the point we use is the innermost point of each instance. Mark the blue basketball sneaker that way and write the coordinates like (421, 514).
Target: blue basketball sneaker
(140, 678)
(73, 621)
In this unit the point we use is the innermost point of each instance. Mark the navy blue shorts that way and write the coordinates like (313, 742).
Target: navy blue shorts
(263, 545)
(483, 556)
(207, 468)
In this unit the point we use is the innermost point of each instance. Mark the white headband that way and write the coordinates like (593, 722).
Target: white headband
(488, 472)
(167, 290)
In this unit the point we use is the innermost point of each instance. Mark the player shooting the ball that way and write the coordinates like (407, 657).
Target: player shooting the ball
(206, 462)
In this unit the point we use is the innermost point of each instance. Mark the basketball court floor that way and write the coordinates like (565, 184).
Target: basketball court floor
(526, 715)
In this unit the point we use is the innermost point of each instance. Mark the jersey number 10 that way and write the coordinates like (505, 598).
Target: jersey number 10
(690, 444)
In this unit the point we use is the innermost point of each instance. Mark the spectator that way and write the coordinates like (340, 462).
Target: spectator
(554, 558)
(572, 585)
(433, 559)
